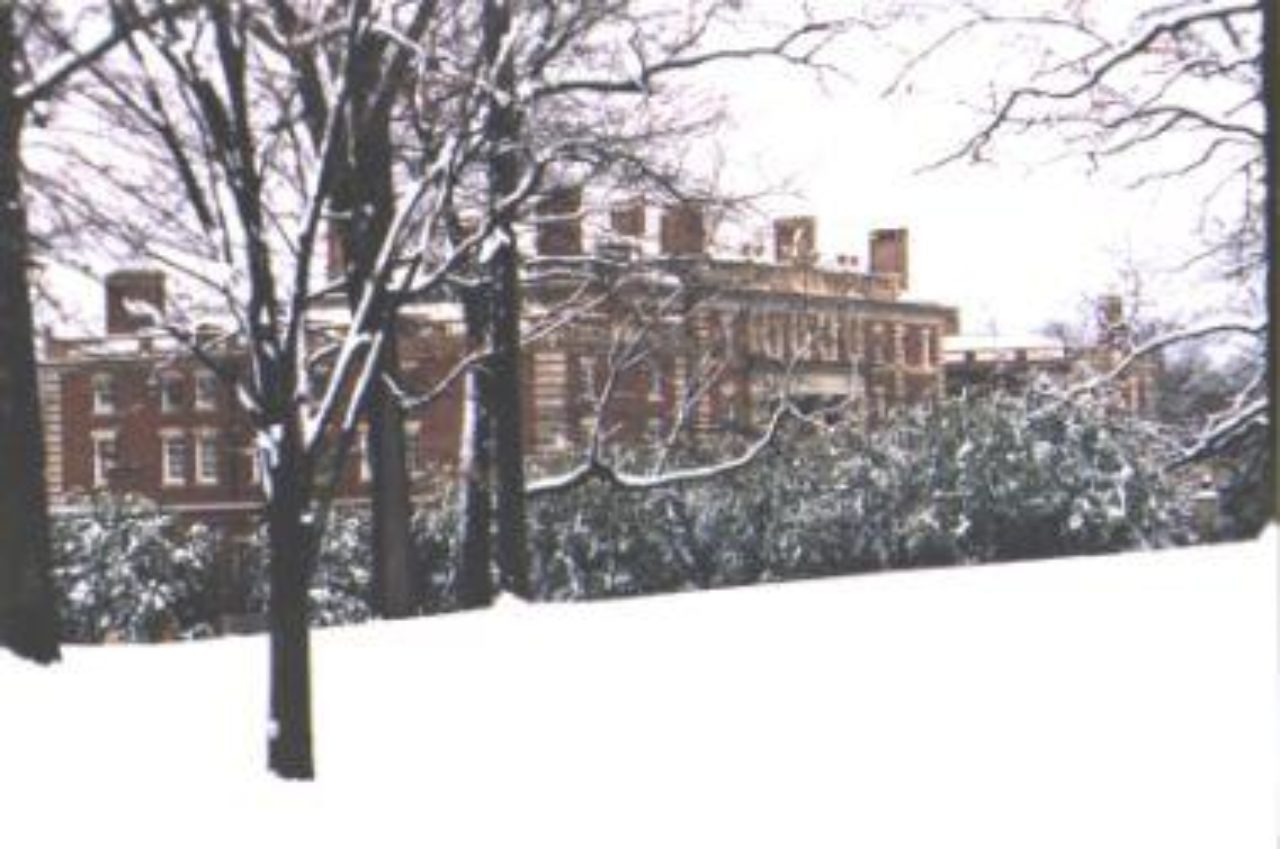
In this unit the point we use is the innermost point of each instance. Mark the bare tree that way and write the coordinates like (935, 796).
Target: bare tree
(33, 68)
(647, 321)
(363, 208)
(1164, 92)
(211, 113)
(28, 619)
(576, 95)
(1271, 89)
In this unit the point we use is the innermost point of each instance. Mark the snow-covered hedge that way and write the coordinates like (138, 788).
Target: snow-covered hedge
(127, 571)
(967, 481)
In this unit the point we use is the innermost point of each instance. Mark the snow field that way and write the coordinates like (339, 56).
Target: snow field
(1116, 701)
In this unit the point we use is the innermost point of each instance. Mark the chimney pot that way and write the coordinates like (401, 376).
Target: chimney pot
(795, 239)
(682, 231)
(139, 286)
(627, 218)
(888, 251)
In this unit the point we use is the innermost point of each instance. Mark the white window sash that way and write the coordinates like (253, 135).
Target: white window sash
(169, 476)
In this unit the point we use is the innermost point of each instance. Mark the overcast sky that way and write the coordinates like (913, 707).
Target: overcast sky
(1012, 243)
(1015, 243)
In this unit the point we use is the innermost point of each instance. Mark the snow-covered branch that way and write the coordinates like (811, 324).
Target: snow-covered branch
(127, 19)
(1105, 380)
(596, 468)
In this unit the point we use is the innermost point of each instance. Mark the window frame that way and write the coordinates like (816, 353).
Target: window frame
(167, 439)
(206, 475)
(168, 380)
(206, 391)
(103, 392)
(103, 464)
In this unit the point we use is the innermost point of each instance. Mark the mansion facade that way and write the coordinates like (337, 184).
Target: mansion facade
(634, 329)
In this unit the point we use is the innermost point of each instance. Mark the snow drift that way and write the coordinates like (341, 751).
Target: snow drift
(1115, 701)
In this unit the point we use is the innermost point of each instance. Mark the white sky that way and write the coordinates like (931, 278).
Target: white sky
(1014, 246)
(1011, 245)
(1014, 243)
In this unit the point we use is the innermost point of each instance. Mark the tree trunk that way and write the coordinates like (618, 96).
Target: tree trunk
(367, 188)
(1271, 93)
(394, 595)
(367, 195)
(474, 581)
(502, 271)
(28, 614)
(292, 549)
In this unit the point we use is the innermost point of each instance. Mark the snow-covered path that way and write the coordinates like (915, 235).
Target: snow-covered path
(1121, 701)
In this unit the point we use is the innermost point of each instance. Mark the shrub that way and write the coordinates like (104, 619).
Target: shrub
(965, 481)
(124, 570)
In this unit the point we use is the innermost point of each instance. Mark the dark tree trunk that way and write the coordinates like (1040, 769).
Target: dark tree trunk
(394, 588)
(292, 544)
(502, 271)
(474, 582)
(28, 614)
(1271, 92)
(364, 197)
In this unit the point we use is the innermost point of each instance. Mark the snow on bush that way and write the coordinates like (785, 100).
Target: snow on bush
(963, 482)
(127, 571)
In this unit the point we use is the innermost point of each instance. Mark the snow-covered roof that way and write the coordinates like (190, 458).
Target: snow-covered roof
(1025, 347)
(68, 303)
(964, 343)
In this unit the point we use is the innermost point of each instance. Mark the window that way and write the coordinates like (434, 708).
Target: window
(254, 459)
(170, 393)
(104, 457)
(206, 391)
(104, 394)
(173, 460)
(414, 459)
(656, 395)
(362, 448)
(207, 455)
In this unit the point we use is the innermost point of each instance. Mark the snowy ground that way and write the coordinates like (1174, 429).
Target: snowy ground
(1116, 702)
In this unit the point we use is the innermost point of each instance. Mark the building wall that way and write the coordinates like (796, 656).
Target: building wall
(832, 334)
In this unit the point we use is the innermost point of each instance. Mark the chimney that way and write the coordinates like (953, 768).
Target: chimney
(1111, 310)
(889, 253)
(1111, 324)
(627, 219)
(559, 229)
(335, 243)
(139, 287)
(682, 231)
(795, 239)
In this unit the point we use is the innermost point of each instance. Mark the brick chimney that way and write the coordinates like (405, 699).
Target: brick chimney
(335, 254)
(627, 219)
(682, 231)
(795, 239)
(146, 287)
(559, 230)
(1112, 328)
(888, 253)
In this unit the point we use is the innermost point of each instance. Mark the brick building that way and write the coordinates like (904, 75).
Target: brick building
(129, 410)
(1013, 363)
